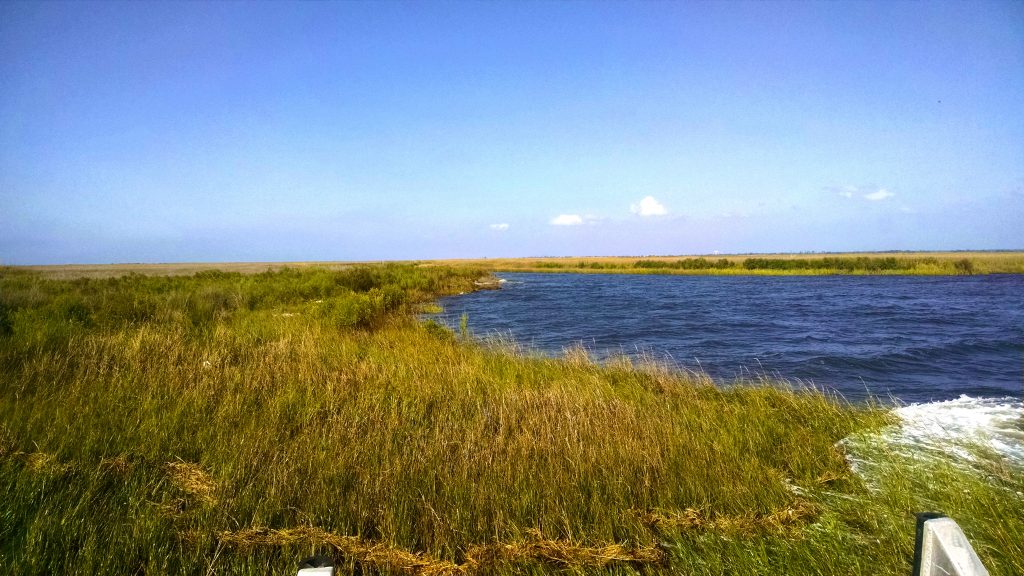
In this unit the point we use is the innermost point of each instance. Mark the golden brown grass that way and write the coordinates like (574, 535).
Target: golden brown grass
(188, 425)
(483, 558)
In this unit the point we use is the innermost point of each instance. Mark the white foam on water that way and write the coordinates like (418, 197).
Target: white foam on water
(951, 430)
(956, 426)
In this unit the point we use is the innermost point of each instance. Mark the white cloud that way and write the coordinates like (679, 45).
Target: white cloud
(499, 227)
(648, 207)
(567, 220)
(880, 194)
(872, 193)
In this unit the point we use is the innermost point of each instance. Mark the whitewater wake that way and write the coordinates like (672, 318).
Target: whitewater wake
(959, 431)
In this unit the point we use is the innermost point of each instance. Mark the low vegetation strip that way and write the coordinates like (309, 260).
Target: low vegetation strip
(148, 423)
(900, 263)
(372, 555)
(478, 559)
(826, 265)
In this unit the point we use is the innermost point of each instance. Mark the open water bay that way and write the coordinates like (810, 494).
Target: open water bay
(917, 338)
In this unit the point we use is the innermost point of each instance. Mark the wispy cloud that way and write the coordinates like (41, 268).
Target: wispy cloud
(872, 193)
(576, 220)
(499, 227)
(567, 220)
(880, 194)
(649, 206)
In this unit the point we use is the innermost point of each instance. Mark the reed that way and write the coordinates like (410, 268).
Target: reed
(229, 423)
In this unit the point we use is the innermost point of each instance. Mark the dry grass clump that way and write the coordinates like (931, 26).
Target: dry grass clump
(562, 554)
(119, 465)
(478, 559)
(192, 480)
(41, 462)
(372, 554)
(784, 520)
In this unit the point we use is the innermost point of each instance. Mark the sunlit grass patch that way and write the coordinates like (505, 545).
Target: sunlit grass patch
(213, 432)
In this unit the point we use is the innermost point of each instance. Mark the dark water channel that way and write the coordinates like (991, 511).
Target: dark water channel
(915, 338)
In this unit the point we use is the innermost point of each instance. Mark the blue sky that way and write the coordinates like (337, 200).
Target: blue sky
(146, 132)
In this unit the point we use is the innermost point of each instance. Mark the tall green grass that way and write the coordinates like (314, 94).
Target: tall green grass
(232, 424)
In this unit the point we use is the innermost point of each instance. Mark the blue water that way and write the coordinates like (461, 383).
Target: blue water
(914, 338)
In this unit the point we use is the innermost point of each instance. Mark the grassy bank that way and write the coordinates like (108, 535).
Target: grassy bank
(232, 424)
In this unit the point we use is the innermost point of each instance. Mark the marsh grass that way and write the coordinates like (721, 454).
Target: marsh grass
(899, 263)
(223, 423)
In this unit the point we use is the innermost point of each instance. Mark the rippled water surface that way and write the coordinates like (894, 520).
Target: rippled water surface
(916, 338)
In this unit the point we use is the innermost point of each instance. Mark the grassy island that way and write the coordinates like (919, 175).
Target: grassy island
(229, 423)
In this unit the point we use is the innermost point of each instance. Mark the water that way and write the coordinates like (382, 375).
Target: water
(918, 339)
(994, 424)
(964, 432)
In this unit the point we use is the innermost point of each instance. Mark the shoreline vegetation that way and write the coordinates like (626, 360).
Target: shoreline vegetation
(857, 263)
(898, 263)
(234, 423)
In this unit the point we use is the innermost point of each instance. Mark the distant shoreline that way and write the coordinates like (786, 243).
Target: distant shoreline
(849, 263)
(906, 264)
